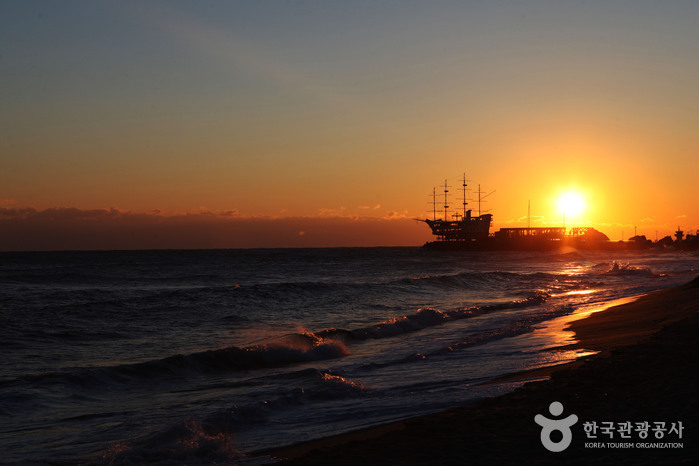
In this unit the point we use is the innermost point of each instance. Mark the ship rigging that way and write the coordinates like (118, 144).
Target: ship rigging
(464, 227)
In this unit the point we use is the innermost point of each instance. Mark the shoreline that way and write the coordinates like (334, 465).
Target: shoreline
(645, 369)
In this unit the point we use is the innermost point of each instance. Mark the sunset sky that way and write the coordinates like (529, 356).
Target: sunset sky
(137, 124)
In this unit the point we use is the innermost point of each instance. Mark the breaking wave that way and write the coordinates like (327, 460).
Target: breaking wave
(517, 327)
(293, 349)
(211, 440)
(623, 270)
(427, 317)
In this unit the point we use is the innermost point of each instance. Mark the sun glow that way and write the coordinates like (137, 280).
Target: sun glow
(571, 204)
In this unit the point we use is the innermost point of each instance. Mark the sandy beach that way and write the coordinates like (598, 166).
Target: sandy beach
(645, 371)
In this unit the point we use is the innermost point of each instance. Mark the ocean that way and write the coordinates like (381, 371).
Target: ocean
(172, 357)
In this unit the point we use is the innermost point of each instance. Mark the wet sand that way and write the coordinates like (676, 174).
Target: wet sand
(646, 370)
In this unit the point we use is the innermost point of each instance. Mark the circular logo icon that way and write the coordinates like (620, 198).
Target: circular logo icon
(561, 425)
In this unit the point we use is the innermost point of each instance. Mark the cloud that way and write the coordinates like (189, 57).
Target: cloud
(69, 228)
(325, 212)
(392, 215)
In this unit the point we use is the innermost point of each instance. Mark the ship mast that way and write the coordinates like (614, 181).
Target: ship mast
(446, 204)
(434, 203)
(463, 185)
(480, 198)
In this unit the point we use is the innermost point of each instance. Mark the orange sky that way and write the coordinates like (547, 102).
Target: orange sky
(341, 116)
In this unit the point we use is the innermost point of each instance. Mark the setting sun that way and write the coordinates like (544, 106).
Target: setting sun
(571, 204)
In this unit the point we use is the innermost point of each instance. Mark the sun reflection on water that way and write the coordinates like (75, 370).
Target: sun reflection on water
(580, 292)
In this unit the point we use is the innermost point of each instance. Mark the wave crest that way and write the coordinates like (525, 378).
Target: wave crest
(293, 349)
(620, 269)
(297, 348)
(427, 317)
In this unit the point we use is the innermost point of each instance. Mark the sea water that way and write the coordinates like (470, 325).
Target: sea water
(209, 356)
